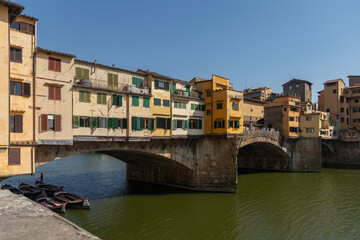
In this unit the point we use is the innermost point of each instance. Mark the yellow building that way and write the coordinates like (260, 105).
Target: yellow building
(261, 93)
(253, 111)
(283, 114)
(223, 106)
(53, 87)
(160, 107)
(316, 124)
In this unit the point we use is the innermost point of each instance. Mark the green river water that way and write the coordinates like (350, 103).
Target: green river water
(267, 205)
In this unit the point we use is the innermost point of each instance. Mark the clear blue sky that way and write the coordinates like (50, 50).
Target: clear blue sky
(253, 43)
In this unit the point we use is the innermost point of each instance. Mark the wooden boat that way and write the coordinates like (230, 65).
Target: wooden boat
(72, 200)
(48, 188)
(12, 189)
(52, 204)
(29, 191)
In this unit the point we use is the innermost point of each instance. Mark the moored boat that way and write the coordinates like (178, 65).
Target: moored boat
(51, 203)
(29, 191)
(48, 188)
(12, 189)
(72, 200)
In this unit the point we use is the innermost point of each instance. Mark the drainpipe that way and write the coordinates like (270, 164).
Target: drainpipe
(9, 91)
(171, 102)
(128, 115)
(33, 151)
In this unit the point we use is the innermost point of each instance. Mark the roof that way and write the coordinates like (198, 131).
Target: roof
(254, 100)
(29, 17)
(154, 74)
(354, 86)
(14, 9)
(39, 49)
(297, 80)
(353, 76)
(335, 80)
(109, 67)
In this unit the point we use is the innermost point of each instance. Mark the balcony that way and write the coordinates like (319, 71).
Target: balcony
(184, 93)
(99, 84)
(138, 90)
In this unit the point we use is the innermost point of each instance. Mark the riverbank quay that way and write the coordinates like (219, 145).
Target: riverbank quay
(21, 218)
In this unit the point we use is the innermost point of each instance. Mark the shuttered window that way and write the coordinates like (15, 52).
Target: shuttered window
(16, 123)
(188, 90)
(146, 102)
(76, 121)
(50, 122)
(54, 93)
(166, 103)
(138, 82)
(27, 28)
(161, 123)
(44, 122)
(20, 89)
(135, 123)
(15, 55)
(235, 106)
(117, 100)
(54, 64)
(135, 101)
(26, 89)
(162, 85)
(157, 101)
(82, 73)
(174, 88)
(57, 123)
(124, 123)
(84, 96)
(14, 156)
(113, 81)
(101, 98)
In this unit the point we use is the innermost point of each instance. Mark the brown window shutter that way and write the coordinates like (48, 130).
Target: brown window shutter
(58, 65)
(18, 119)
(14, 156)
(51, 64)
(57, 93)
(31, 29)
(57, 123)
(44, 122)
(51, 92)
(26, 90)
(18, 56)
(23, 27)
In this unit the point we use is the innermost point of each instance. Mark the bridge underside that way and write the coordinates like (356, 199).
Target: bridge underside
(262, 155)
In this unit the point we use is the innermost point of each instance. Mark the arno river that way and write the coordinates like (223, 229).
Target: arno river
(267, 206)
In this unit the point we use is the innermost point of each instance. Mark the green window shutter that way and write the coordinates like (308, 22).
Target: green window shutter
(185, 124)
(116, 123)
(152, 123)
(93, 122)
(103, 100)
(167, 86)
(110, 123)
(114, 100)
(175, 124)
(189, 123)
(200, 124)
(110, 80)
(192, 106)
(141, 123)
(203, 107)
(86, 97)
(81, 96)
(174, 88)
(86, 73)
(135, 101)
(188, 90)
(146, 102)
(115, 82)
(134, 123)
(119, 97)
(124, 123)
(156, 84)
(78, 72)
(99, 98)
(229, 124)
(76, 121)
(215, 124)
(168, 123)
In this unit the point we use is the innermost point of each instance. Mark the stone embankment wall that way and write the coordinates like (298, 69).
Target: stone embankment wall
(336, 153)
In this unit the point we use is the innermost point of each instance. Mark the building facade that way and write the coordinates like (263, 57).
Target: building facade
(261, 93)
(298, 88)
(253, 112)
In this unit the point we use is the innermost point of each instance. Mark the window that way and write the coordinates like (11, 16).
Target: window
(323, 132)
(235, 106)
(308, 107)
(54, 93)
(356, 109)
(14, 156)
(290, 88)
(27, 28)
(328, 110)
(308, 118)
(166, 103)
(219, 124)
(117, 100)
(341, 110)
(357, 120)
(135, 101)
(356, 100)
(188, 91)
(82, 73)
(294, 129)
(173, 88)
(101, 98)
(347, 121)
(291, 119)
(146, 102)
(347, 111)
(297, 86)
(208, 111)
(54, 64)
(284, 109)
(356, 91)
(162, 85)
(334, 90)
(50, 122)
(208, 93)
(342, 119)
(113, 81)
(15, 26)
(293, 109)
(178, 104)
(346, 92)
(308, 87)
(102, 122)
(177, 123)
(195, 124)
(112, 123)
(219, 106)
(309, 130)
(197, 107)
(161, 123)
(84, 121)
(331, 84)
(138, 82)
(231, 124)
(84, 96)
(16, 123)
(15, 88)
(341, 99)
(15, 55)
(157, 101)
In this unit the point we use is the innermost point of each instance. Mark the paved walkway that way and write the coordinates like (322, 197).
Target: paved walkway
(21, 218)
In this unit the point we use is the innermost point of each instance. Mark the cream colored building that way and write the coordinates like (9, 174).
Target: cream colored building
(316, 124)
(253, 111)
(53, 112)
(187, 110)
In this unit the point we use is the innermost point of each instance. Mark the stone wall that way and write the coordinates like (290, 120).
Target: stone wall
(340, 153)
